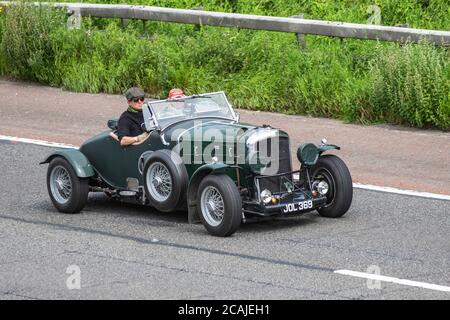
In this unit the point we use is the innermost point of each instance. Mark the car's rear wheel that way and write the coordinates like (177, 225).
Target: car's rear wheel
(220, 205)
(160, 180)
(68, 192)
(165, 180)
(332, 177)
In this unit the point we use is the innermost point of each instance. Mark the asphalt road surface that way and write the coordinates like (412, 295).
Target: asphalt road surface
(114, 250)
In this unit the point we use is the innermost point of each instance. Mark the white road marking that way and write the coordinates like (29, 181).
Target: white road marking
(401, 191)
(397, 191)
(355, 185)
(38, 142)
(393, 280)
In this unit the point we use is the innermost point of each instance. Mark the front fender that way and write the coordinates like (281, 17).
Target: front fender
(309, 153)
(77, 160)
(324, 147)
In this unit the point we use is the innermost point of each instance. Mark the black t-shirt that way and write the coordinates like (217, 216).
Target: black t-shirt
(130, 124)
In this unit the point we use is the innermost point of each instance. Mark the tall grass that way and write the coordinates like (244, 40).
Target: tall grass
(25, 42)
(411, 85)
(359, 81)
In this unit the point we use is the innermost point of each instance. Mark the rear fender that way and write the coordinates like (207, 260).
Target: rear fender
(77, 160)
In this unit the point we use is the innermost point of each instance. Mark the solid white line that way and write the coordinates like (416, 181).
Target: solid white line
(401, 191)
(38, 142)
(393, 280)
(355, 185)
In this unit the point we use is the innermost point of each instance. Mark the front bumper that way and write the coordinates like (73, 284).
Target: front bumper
(289, 204)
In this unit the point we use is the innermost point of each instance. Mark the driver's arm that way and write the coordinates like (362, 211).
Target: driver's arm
(125, 141)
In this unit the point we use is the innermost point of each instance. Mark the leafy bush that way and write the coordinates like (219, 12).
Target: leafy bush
(25, 45)
(355, 80)
(411, 85)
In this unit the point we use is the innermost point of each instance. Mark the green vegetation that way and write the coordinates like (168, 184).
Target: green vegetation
(26, 47)
(354, 80)
(411, 85)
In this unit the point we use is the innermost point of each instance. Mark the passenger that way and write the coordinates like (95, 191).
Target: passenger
(130, 125)
(175, 93)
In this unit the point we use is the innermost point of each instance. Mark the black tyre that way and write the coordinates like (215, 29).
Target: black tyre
(68, 192)
(166, 180)
(219, 204)
(332, 170)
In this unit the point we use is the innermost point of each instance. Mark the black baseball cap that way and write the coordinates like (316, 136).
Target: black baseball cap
(134, 93)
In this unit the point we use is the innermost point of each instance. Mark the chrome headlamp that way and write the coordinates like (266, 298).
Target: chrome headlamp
(266, 196)
(322, 188)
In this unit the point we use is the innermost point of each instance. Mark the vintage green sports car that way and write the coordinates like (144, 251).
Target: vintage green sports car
(196, 156)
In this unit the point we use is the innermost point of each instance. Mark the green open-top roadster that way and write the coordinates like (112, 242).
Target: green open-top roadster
(197, 156)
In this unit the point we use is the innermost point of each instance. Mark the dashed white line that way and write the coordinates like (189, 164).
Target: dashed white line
(355, 185)
(405, 282)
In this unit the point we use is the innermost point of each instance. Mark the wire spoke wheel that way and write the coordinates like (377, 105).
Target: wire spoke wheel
(60, 184)
(159, 181)
(219, 205)
(68, 192)
(165, 180)
(212, 206)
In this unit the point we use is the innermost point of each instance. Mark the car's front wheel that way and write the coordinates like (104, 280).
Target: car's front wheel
(220, 205)
(68, 192)
(332, 178)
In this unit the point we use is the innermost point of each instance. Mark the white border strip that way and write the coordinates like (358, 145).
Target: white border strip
(393, 280)
(38, 142)
(355, 185)
(401, 191)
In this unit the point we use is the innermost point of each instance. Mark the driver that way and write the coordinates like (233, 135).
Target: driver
(130, 125)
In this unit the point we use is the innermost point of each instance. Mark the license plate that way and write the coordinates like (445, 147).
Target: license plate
(298, 206)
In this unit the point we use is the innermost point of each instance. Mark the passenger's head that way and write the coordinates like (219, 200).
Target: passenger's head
(175, 93)
(135, 97)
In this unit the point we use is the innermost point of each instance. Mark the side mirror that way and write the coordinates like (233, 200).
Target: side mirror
(238, 117)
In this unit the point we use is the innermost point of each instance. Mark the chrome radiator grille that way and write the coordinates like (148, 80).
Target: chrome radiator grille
(282, 160)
